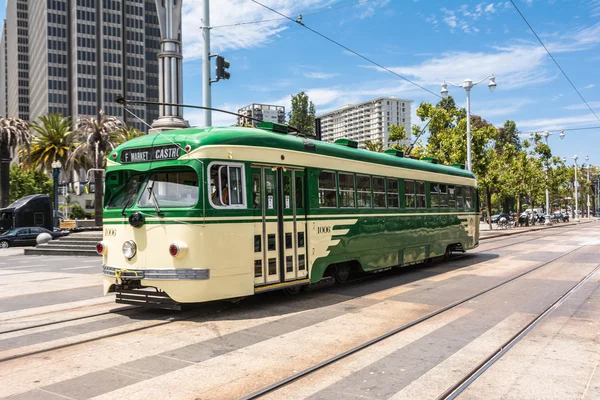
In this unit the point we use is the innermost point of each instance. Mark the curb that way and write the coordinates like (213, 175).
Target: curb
(533, 230)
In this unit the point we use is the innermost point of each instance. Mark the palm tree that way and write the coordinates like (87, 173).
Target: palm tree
(54, 142)
(125, 134)
(375, 146)
(96, 136)
(13, 133)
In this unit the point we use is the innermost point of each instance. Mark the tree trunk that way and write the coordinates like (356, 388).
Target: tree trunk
(99, 189)
(488, 198)
(4, 175)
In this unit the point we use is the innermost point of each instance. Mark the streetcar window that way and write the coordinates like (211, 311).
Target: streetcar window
(363, 185)
(434, 195)
(392, 193)
(346, 190)
(327, 189)
(451, 196)
(409, 190)
(421, 199)
(378, 192)
(299, 192)
(127, 194)
(460, 200)
(171, 189)
(256, 191)
(226, 186)
(468, 199)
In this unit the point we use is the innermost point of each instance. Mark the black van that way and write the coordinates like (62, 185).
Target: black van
(28, 211)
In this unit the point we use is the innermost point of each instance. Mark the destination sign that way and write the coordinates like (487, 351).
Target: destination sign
(158, 153)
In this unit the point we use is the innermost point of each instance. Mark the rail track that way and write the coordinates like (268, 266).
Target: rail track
(469, 378)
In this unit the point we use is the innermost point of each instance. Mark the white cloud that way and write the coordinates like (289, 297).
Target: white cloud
(581, 106)
(591, 85)
(465, 16)
(557, 123)
(228, 12)
(504, 108)
(319, 75)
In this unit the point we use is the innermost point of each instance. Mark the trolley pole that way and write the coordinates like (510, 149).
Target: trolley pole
(206, 90)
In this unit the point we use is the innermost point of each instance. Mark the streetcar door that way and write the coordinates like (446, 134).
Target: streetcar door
(279, 239)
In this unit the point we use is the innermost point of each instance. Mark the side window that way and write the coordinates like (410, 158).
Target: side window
(420, 190)
(299, 192)
(38, 219)
(434, 195)
(363, 185)
(468, 199)
(378, 192)
(327, 189)
(443, 195)
(460, 200)
(409, 192)
(346, 190)
(392, 193)
(256, 203)
(227, 186)
(451, 196)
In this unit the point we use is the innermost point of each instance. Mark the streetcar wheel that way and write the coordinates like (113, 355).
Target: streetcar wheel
(341, 273)
(4, 244)
(448, 253)
(292, 291)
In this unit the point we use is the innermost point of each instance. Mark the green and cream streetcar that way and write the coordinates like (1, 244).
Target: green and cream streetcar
(217, 213)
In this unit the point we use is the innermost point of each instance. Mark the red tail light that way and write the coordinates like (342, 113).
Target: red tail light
(174, 250)
(100, 248)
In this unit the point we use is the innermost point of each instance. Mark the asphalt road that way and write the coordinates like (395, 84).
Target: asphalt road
(83, 346)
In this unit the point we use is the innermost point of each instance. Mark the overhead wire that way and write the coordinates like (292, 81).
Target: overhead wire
(348, 49)
(561, 130)
(553, 59)
(346, 5)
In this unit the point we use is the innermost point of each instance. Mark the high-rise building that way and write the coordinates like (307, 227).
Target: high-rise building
(81, 55)
(3, 76)
(262, 112)
(368, 121)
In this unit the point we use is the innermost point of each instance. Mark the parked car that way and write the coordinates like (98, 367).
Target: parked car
(24, 236)
(496, 218)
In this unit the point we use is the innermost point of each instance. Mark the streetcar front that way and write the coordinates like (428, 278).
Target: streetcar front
(157, 248)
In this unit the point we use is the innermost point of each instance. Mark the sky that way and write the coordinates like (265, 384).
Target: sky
(425, 41)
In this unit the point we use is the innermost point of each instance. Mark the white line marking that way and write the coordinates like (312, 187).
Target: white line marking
(90, 266)
(87, 261)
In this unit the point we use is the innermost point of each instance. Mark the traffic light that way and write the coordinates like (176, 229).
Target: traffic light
(222, 65)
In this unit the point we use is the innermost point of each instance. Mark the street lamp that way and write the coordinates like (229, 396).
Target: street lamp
(587, 158)
(467, 85)
(576, 218)
(56, 166)
(546, 135)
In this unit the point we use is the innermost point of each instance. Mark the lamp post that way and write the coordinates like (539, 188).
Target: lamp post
(576, 218)
(587, 159)
(467, 85)
(56, 166)
(546, 135)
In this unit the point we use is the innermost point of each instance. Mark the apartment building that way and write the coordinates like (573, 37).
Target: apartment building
(368, 121)
(262, 112)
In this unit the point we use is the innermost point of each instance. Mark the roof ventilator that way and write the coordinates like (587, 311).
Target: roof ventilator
(459, 166)
(273, 126)
(430, 160)
(347, 142)
(394, 152)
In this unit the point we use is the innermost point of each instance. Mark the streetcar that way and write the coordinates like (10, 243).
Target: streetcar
(196, 215)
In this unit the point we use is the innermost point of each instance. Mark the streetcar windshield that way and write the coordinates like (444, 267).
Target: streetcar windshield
(171, 189)
(127, 194)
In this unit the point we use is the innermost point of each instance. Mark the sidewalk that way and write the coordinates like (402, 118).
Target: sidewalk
(486, 233)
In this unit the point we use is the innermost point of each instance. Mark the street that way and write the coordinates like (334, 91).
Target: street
(61, 339)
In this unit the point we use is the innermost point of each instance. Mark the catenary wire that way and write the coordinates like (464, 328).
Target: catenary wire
(349, 49)
(303, 14)
(559, 130)
(553, 59)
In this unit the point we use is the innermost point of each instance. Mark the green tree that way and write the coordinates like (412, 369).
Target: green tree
(373, 145)
(14, 132)
(26, 182)
(53, 141)
(96, 135)
(508, 134)
(77, 211)
(302, 115)
(125, 134)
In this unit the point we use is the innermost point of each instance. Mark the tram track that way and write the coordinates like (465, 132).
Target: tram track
(456, 389)
(332, 360)
(180, 318)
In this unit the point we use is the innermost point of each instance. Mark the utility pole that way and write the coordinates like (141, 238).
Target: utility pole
(206, 90)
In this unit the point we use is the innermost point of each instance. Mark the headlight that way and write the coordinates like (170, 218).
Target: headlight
(129, 249)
